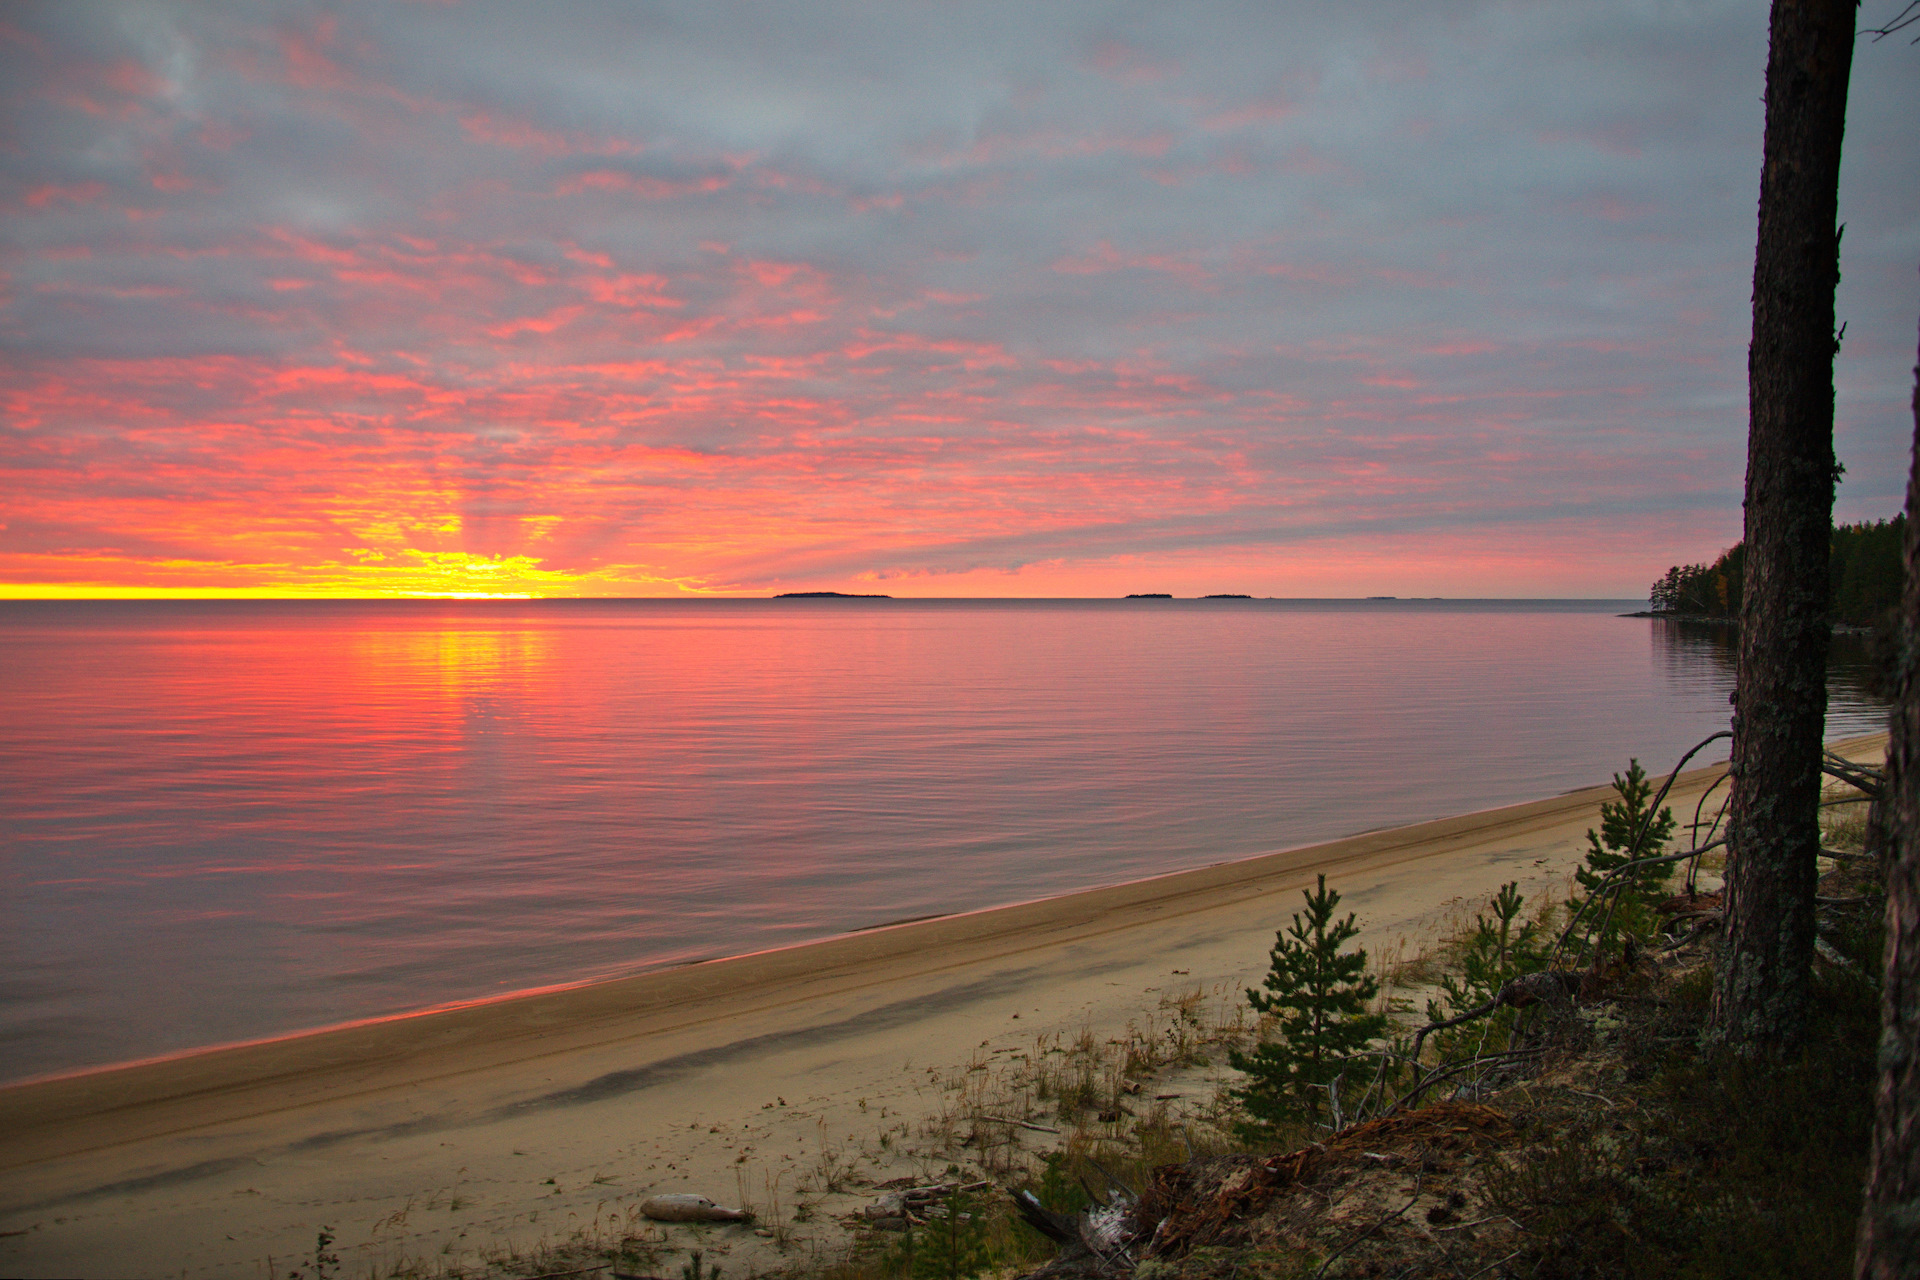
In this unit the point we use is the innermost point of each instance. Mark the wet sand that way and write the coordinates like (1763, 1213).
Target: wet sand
(520, 1120)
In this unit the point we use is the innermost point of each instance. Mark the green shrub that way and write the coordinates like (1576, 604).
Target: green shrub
(952, 1245)
(1498, 949)
(1319, 999)
(1626, 910)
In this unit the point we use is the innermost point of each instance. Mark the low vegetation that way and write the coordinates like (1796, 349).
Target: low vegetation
(1551, 1115)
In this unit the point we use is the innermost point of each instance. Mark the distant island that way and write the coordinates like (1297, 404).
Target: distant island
(1383, 597)
(1149, 595)
(1227, 595)
(827, 595)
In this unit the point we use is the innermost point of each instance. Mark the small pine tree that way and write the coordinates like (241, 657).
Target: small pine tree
(1612, 846)
(1319, 998)
(953, 1244)
(1499, 949)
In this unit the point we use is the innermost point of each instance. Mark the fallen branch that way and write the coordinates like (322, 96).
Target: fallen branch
(1407, 1099)
(1822, 949)
(1863, 778)
(1418, 1179)
(1019, 1124)
(1607, 886)
(1516, 993)
(1707, 922)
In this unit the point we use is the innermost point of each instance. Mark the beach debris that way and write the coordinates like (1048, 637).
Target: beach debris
(1092, 1243)
(911, 1204)
(685, 1207)
(1019, 1124)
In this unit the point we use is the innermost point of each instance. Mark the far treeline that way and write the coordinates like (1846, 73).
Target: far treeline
(1865, 576)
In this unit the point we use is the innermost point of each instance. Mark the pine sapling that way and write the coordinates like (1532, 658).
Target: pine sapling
(1320, 1000)
(1628, 832)
(1500, 948)
(953, 1244)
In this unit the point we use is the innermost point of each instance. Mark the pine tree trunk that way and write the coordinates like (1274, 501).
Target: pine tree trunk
(1761, 984)
(1890, 1223)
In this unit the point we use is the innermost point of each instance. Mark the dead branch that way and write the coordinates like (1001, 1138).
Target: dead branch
(1863, 778)
(1020, 1124)
(1709, 921)
(1418, 1180)
(1057, 1227)
(1607, 887)
(1633, 847)
(1516, 993)
(1445, 1072)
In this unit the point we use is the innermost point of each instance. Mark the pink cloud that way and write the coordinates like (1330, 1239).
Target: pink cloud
(505, 131)
(1129, 63)
(46, 194)
(647, 188)
(1103, 259)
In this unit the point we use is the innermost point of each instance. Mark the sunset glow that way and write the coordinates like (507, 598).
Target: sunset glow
(708, 300)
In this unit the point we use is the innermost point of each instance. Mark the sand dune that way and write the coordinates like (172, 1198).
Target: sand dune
(520, 1120)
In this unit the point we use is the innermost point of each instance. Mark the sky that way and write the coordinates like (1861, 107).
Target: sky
(957, 299)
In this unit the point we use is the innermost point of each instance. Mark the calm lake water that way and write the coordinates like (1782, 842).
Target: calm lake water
(230, 820)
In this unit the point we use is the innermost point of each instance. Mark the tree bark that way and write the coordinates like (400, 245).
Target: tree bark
(1890, 1224)
(1761, 984)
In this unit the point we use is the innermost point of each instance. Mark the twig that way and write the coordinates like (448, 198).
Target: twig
(1905, 18)
(1693, 868)
(1705, 924)
(1607, 885)
(1480, 1011)
(1862, 778)
(1022, 1124)
(1516, 992)
(1496, 1262)
(1408, 1098)
(1418, 1179)
(1477, 1222)
(1633, 847)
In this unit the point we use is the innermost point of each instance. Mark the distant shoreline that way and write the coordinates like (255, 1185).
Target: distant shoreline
(1715, 620)
(541, 1109)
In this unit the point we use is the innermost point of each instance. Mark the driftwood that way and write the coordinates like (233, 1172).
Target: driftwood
(682, 1207)
(1019, 1124)
(1092, 1243)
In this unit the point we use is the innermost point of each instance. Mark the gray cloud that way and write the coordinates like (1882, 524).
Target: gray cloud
(1499, 253)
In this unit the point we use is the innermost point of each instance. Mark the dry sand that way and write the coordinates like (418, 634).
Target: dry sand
(432, 1138)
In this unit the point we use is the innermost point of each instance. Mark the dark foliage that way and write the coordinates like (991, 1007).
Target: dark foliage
(1729, 1166)
(1866, 573)
(1319, 999)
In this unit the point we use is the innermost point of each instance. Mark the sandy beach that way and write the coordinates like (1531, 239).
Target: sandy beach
(431, 1138)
